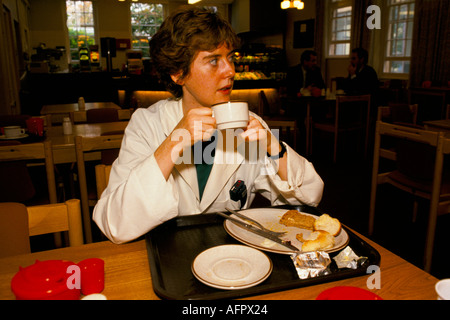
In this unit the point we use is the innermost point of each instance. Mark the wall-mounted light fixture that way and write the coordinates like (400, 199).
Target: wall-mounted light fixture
(288, 4)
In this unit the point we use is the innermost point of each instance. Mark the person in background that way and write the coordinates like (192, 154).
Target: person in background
(193, 55)
(306, 75)
(362, 78)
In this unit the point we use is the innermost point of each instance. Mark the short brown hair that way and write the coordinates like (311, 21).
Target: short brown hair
(181, 36)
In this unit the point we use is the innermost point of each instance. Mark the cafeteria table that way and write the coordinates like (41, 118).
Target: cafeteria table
(442, 125)
(64, 145)
(66, 108)
(127, 274)
(58, 111)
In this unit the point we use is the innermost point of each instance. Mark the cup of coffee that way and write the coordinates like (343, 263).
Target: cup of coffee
(231, 114)
(35, 126)
(13, 131)
(443, 289)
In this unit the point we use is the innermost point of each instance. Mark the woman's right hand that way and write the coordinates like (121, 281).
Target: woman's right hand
(198, 124)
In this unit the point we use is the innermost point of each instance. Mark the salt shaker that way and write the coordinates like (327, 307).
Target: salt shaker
(67, 126)
(81, 104)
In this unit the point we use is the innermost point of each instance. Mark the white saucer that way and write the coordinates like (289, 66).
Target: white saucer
(3, 137)
(232, 267)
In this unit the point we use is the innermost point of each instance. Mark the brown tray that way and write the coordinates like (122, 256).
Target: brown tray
(173, 246)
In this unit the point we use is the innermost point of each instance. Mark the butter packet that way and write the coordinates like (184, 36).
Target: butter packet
(311, 264)
(347, 258)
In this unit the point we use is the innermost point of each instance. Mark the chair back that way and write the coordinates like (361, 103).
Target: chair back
(420, 170)
(85, 145)
(351, 113)
(24, 222)
(102, 115)
(33, 152)
(102, 173)
(81, 116)
(287, 131)
(432, 104)
(14, 233)
(400, 113)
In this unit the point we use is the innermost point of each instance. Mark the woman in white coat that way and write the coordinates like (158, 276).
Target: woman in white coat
(153, 179)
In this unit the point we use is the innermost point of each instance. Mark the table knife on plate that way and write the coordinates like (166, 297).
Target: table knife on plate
(259, 232)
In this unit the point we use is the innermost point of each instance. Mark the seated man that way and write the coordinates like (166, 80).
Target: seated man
(306, 75)
(362, 78)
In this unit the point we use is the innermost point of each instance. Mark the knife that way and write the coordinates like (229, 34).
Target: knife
(259, 232)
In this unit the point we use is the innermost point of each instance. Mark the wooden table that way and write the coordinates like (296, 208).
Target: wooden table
(438, 125)
(64, 145)
(127, 274)
(58, 111)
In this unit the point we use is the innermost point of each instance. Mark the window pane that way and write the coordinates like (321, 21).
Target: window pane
(408, 48)
(404, 12)
(145, 21)
(80, 24)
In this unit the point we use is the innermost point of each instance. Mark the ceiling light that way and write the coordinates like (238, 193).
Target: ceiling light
(288, 4)
(193, 1)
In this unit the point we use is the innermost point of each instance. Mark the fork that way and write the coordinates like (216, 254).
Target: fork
(259, 225)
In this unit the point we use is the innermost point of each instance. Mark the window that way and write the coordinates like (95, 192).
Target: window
(146, 18)
(340, 28)
(399, 37)
(80, 23)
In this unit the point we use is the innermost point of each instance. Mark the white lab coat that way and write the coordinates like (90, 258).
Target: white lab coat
(138, 197)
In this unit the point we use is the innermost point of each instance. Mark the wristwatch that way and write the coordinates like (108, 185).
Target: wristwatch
(280, 154)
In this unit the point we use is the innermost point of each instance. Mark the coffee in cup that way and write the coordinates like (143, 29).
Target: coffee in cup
(13, 131)
(231, 114)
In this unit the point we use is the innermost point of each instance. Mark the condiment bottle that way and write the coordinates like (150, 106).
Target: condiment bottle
(67, 126)
(81, 104)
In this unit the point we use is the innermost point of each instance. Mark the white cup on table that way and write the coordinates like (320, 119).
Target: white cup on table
(443, 289)
(13, 131)
(231, 114)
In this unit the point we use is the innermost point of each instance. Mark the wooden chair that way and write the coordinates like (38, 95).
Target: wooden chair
(287, 131)
(431, 103)
(102, 173)
(19, 222)
(351, 113)
(102, 115)
(420, 158)
(81, 116)
(32, 153)
(398, 113)
(86, 145)
(269, 109)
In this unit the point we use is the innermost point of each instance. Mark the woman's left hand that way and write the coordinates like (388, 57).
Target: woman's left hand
(256, 132)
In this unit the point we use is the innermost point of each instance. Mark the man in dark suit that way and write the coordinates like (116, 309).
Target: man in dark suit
(362, 78)
(305, 75)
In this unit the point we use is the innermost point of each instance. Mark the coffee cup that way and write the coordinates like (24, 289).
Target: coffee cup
(231, 114)
(13, 131)
(35, 126)
(443, 289)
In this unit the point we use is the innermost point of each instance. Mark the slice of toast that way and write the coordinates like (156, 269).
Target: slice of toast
(293, 218)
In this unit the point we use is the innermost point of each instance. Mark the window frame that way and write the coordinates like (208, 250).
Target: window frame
(331, 8)
(386, 39)
(164, 14)
(95, 26)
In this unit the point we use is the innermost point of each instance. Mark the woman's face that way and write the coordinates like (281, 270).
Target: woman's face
(210, 79)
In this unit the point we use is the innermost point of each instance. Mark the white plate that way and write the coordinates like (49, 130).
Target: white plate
(270, 218)
(3, 137)
(232, 267)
